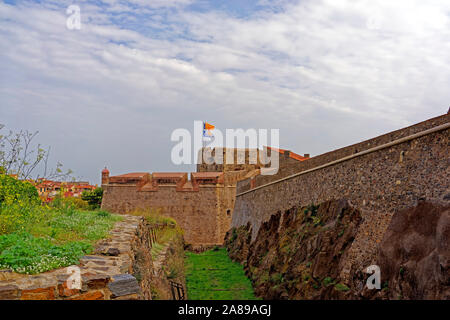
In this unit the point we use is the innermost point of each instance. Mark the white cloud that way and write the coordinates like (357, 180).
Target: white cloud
(328, 73)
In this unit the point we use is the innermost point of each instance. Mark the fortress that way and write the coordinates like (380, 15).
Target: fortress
(379, 176)
(202, 204)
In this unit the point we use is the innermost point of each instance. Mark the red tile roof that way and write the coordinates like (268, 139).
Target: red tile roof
(131, 175)
(291, 154)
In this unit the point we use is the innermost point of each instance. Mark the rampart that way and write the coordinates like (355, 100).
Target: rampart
(378, 176)
(292, 167)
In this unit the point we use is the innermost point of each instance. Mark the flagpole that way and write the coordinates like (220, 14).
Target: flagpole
(203, 140)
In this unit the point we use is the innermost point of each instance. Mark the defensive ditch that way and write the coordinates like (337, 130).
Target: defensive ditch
(212, 275)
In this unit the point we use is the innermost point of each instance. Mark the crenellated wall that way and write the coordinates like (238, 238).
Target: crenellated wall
(379, 177)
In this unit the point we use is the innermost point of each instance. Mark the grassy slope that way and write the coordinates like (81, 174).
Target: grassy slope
(210, 272)
(55, 240)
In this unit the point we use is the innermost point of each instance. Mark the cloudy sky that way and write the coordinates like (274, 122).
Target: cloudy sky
(327, 73)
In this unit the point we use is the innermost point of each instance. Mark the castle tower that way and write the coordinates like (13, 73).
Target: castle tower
(105, 176)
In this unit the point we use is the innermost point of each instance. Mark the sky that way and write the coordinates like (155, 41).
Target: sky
(326, 73)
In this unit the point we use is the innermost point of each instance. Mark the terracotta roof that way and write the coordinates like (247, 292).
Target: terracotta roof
(105, 170)
(291, 154)
(162, 175)
(206, 174)
(132, 175)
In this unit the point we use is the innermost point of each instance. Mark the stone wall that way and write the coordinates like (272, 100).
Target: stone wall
(168, 267)
(292, 167)
(200, 214)
(201, 206)
(377, 183)
(108, 274)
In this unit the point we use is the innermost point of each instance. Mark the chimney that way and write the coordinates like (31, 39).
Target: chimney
(306, 155)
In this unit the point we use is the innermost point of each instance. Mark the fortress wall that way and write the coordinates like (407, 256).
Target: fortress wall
(201, 214)
(292, 167)
(378, 183)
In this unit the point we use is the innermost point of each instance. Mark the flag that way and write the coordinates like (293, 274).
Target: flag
(208, 126)
(207, 130)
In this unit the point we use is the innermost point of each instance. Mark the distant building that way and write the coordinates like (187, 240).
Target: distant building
(48, 189)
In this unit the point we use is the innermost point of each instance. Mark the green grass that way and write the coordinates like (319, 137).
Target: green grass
(212, 275)
(57, 238)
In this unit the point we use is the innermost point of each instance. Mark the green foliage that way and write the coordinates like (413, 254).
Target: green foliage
(276, 278)
(312, 208)
(154, 216)
(24, 253)
(328, 281)
(36, 238)
(234, 234)
(69, 203)
(341, 287)
(212, 275)
(13, 191)
(94, 197)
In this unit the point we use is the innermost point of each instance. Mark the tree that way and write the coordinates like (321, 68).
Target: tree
(94, 197)
(19, 156)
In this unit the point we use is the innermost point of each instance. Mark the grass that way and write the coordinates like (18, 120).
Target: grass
(42, 238)
(212, 275)
(154, 216)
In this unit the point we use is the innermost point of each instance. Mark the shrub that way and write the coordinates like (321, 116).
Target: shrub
(94, 197)
(13, 191)
(154, 216)
(63, 203)
(20, 216)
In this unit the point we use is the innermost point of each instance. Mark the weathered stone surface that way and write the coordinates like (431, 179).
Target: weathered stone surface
(113, 252)
(65, 291)
(39, 294)
(9, 292)
(299, 254)
(96, 281)
(122, 285)
(414, 255)
(91, 295)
